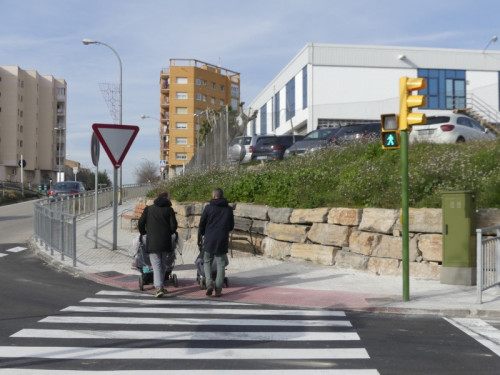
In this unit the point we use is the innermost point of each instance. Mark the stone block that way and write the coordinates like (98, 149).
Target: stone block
(345, 216)
(383, 266)
(251, 211)
(388, 247)
(315, 253)
(328, 234)
(259, 226)
(280, 215)
(488, 218)
(363, 242)
(423, 220)
(276, 249)
(185, 221)
(379, 220)
(288, 232)
(425, 270)
(310, 215)
(431, 247)
(347, 259)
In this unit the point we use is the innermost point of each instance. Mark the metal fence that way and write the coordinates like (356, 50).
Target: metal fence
(488, 259)
(55, 220)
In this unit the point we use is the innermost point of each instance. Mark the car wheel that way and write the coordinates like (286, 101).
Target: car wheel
(461, 140)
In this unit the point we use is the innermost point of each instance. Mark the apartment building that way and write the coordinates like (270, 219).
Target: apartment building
(32, 126)
(188, 89)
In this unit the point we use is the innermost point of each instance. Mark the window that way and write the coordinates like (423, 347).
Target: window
(234, 103)
(204, 98)
(290, 99)
(263, 119)
(221, 103)
(181, 110)
(181, 125)
(61, 91)
(212, 100)
(222, 88)
(181, 141)
(445, 88)
(198, 96)
(198, 82)
(277, 110)
(181, 156)
(181, 95)
(213, 85)
(181, 80)
(235, 90)
(304, 87)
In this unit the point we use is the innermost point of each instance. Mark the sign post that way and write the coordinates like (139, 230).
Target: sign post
(95, 149)
(116, 141)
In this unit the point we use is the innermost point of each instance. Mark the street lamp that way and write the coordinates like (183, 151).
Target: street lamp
(492, 40)
(58, 145)
(161, 141)
(116, 188)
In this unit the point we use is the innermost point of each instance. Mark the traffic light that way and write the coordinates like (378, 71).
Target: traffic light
(408, 101)
(390, 132)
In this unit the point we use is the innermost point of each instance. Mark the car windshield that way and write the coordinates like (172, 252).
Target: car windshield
(320, 134)
(66, 185)
(437, 120)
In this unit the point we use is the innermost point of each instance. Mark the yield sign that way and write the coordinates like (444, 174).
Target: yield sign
(116, 140)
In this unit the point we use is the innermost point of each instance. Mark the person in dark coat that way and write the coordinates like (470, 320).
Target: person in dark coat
(158, 222)
(216, 221)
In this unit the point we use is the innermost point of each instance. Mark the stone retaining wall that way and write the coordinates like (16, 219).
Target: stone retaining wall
(365, 239)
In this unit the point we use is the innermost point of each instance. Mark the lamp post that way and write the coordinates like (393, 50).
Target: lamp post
(492, 40)
(116, 171)
(162, 174)
(58, 145)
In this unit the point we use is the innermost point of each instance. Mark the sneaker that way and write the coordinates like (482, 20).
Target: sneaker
(159, 292)
(210, 289)
(218, 293)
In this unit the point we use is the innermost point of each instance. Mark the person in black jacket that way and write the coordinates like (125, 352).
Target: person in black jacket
(159, 223)
(217, 220)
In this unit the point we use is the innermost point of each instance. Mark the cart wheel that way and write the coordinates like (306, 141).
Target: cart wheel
(174, 280)
(226, 282)
(203, 283)
(141, 283)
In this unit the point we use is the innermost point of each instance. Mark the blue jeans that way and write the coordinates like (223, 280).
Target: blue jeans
(220, 261)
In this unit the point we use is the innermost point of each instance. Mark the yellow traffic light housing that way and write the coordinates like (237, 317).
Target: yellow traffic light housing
(408, 101)
(390, 132)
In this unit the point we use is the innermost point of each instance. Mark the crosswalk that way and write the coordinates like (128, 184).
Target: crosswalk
(123, 332)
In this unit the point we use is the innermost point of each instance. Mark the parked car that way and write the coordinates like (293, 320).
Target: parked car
(66, 188)
(351, 133)
(241, 148)
(273, 148)
(452, 128)
(313, 141)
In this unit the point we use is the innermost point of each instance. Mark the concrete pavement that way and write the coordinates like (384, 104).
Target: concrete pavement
(257, 279)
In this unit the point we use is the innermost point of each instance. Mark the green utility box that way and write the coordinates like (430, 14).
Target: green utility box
(459, 238)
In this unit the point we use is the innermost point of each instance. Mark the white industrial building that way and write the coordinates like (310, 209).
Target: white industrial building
(334, 85)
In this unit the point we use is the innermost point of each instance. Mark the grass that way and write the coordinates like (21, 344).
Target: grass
(356, 175)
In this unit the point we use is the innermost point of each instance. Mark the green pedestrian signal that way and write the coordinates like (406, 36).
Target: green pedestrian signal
(390, 131)
(390, 140)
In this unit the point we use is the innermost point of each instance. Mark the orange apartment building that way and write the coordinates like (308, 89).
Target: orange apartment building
(187, 89)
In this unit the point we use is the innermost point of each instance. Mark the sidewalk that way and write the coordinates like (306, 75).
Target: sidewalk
(257, 279)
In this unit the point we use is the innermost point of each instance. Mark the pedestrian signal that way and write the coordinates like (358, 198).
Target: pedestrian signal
(390, 132)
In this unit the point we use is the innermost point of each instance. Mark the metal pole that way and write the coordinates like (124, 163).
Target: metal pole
(405, 214)
(95, 203)
(22, 176)
(115, 206)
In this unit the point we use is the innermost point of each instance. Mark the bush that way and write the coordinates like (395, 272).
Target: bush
(356, 175)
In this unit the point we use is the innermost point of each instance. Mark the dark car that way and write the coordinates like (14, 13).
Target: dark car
(350, 133)
(274, 148)
(66, 188)
(313, 141)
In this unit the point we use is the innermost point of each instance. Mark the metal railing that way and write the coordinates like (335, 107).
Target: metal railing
(488, 260)
(55, 221)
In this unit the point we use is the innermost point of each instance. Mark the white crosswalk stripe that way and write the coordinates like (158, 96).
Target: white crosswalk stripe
(135, 329)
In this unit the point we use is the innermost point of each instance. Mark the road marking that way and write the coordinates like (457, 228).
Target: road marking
(17, 249)
(75, 352)
(190, 321)
(158, 301)
(30, 371)
(479, 330)
(161, 310)
(196, 335)
(3, 255)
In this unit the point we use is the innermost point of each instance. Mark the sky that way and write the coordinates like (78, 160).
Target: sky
(256, 38)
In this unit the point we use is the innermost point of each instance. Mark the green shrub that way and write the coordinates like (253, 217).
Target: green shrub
(356, 175)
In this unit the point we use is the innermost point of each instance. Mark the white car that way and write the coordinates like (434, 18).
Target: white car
(452, 128)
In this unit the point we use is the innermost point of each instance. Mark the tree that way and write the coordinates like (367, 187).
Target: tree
(102, 179)
(146, 172)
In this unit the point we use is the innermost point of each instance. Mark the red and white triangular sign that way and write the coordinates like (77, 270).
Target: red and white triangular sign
(116, 140)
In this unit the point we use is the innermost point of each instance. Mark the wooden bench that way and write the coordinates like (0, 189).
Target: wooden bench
(242, 225)
(134, 218)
